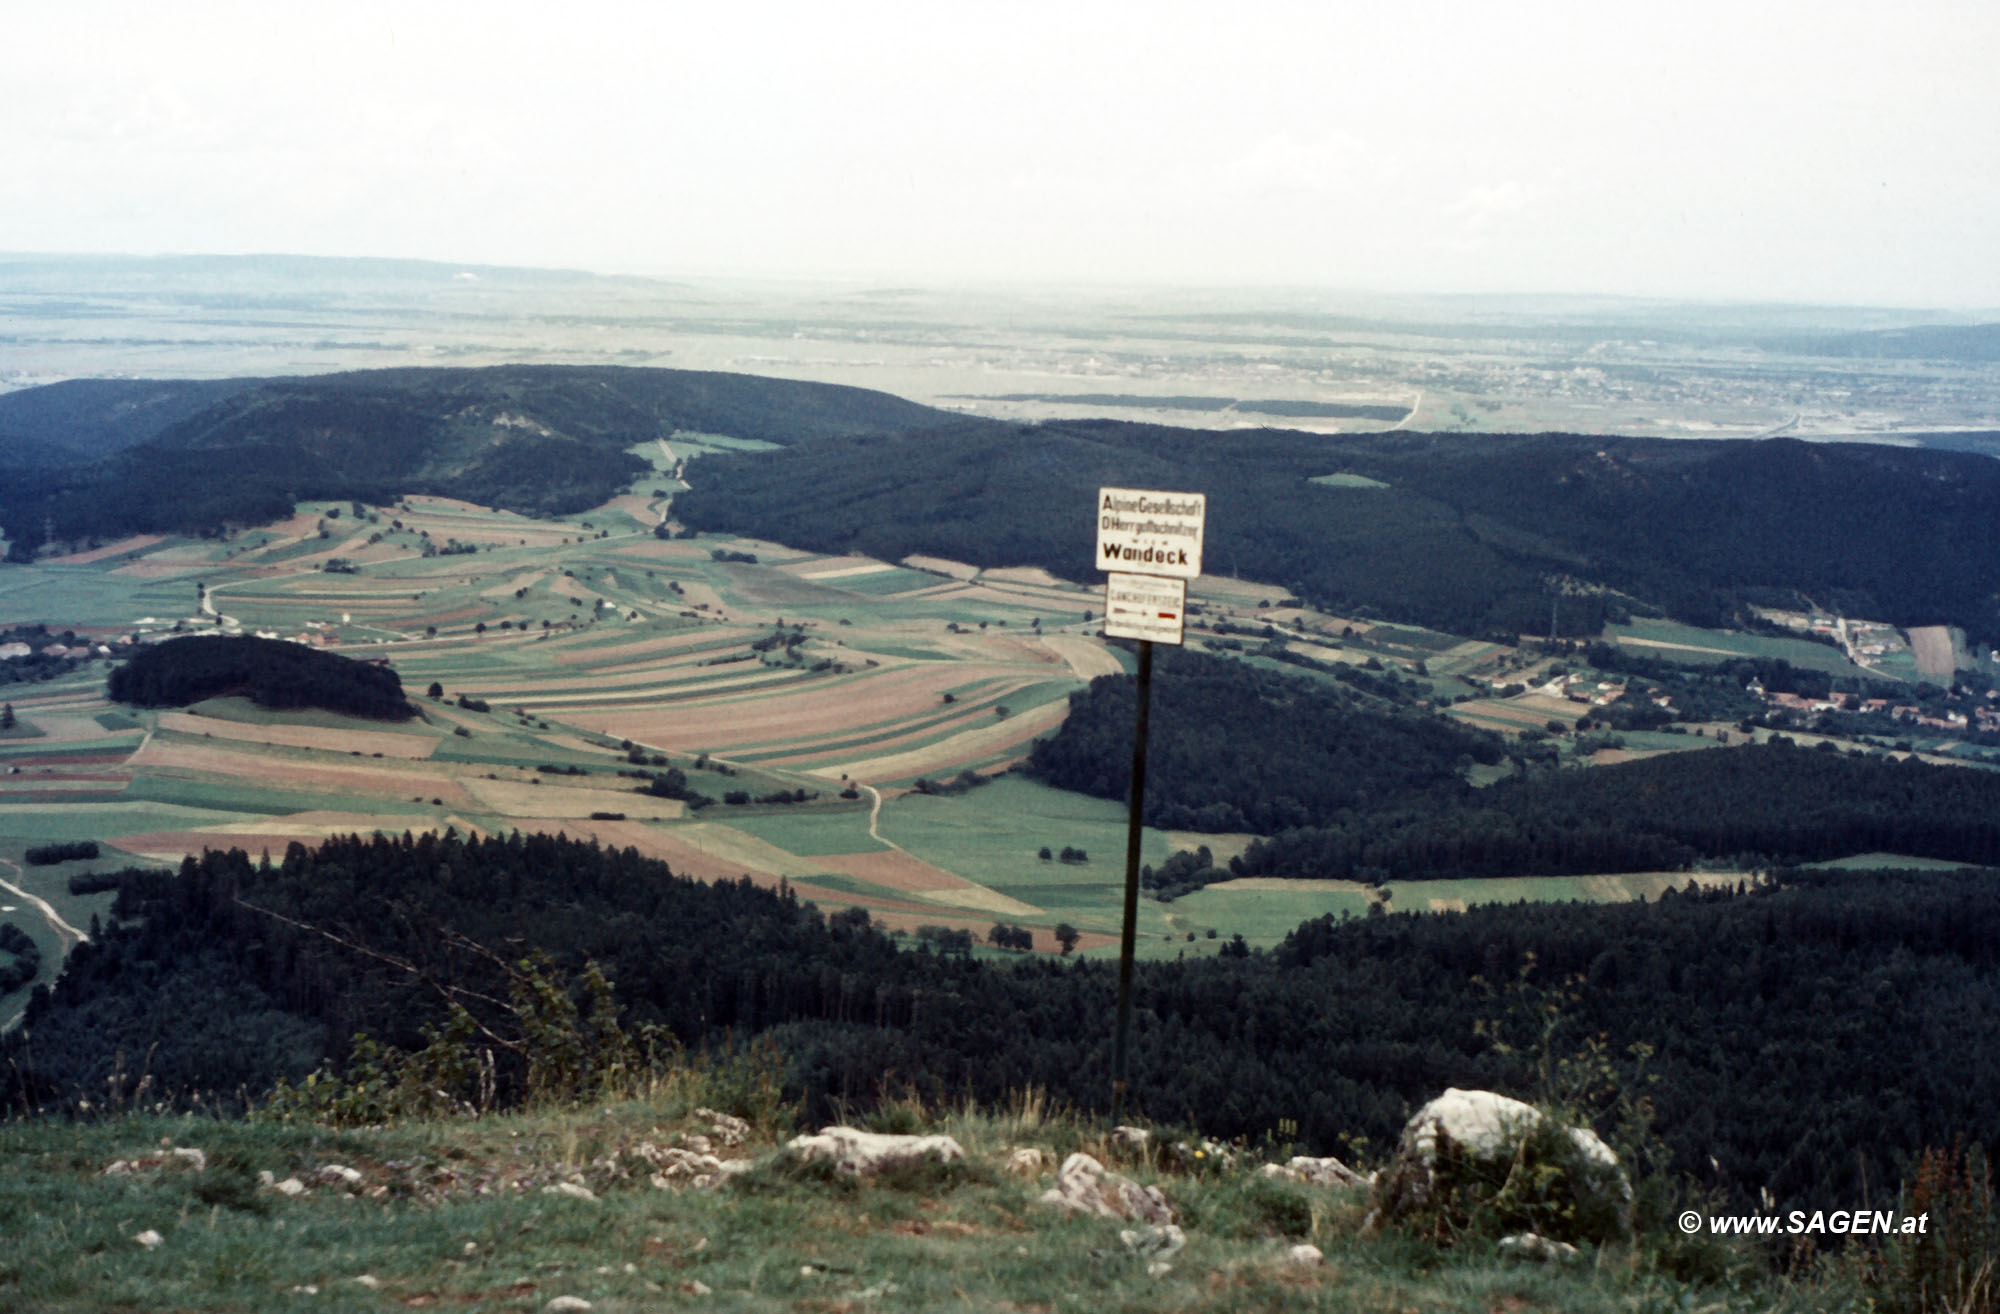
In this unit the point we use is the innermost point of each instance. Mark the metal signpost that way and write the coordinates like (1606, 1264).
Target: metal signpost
(1149, 545)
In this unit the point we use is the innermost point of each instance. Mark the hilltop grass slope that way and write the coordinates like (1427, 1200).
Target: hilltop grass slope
(464, 1214)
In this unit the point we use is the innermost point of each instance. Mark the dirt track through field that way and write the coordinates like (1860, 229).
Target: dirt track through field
(68, 935)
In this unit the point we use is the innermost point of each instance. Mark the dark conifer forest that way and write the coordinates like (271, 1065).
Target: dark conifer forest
(1470, 534)
(271, 672)
(1754, 1009)
(1754, 805)
(1347, 787)
(1237, 748)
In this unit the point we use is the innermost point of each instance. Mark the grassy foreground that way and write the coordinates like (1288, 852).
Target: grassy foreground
(461, 1214)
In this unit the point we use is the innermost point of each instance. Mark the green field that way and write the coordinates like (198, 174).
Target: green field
(808, 832)
(1700, 647)
(51, 883)
(65, 596)
(1888, 862)
(992, 834)
(883, 582)
(1261, 917)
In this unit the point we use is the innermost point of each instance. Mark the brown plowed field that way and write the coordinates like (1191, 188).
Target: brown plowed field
(970, 718)
(172, 845)
(1931, 645)
(961, 750)
(662, 550)
(118, 549)
(821, 895)
(837, 567)
(111, 759)
(942, 566)
(386, 742)
(281, 773)
(524, 799)
(815, 711)
(57, 727)
(647, 647)
(684, 858)
(894, 869)
(639, 508)
(1086, 657)
(772, 587)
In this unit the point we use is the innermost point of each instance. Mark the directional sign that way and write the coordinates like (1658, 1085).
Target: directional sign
(1144, 607)
(1142, 532)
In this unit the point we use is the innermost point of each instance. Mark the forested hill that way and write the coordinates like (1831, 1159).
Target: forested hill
(1237, 748)
(85, 419)
(1472, 534)
(1757, 805)
(273, 672)
(532, 438)
(1805, 1040)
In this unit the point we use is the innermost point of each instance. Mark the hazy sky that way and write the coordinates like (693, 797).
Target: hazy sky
(1800, 151)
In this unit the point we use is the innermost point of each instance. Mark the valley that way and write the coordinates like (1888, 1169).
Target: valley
(840, 715)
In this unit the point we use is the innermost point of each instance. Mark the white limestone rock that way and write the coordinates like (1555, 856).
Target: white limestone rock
(1154, 1241)
(1487, 1131)
(1024, 1161)
(1131, 1140)
(1309, 1171)
(859, 1153)
(1084, 1186)
(336, 1174)
(732, 1131)
(1534, 1246)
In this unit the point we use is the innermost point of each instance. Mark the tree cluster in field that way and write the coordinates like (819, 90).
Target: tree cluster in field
(1006, 936)
(44, 855)
(1767, 804)
(964, 782)
(271, 672)
(743, 797)
(1232, 747)
(672, 783)
(1488, 535)
(1803, 1039)
(246, 450)
(25, 955)
(1183, 872)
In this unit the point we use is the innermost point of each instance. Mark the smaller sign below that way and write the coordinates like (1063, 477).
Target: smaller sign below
(1144, 607)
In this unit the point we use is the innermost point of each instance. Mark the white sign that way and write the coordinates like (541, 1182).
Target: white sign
(1144, 607)
(1142, 532)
